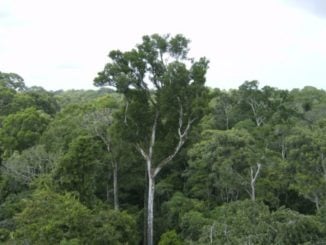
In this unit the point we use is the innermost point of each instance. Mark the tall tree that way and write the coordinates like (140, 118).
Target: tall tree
(163, 91)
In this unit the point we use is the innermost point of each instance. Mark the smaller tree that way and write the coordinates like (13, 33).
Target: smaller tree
(10, 85)
(12, 81)
(49, 217)
(64, 128)
(169, 238)
(31, 163)
(224, 109)
(253, 100)
(52, 218)
(76, 171)
(22, 130)
(98, 123)
(223, 166)
(247, 222)
(306, 156)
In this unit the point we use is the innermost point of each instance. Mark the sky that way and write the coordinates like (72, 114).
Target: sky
(63, 44)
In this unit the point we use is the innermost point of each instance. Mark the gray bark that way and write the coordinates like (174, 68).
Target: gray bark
(115, 185)
(97, 123)
(253, 179)
(150, 210)
(153, 171)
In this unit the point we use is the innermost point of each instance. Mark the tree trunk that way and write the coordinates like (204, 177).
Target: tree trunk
(317, 202)
(283, 149)
(145, 209)
(115, 185)
(152, 172)
(253, 179)
(150, 209)
(253, 191)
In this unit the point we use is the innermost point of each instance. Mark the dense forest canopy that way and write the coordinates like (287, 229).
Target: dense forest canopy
(159, 158)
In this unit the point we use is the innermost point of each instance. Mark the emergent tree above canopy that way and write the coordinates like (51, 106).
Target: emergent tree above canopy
(163, 90)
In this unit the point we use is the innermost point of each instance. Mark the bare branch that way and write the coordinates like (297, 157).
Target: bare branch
(142, 152)
(253, 180)
(26, 176)
(182, 138)
(125, 114)
(98, 122)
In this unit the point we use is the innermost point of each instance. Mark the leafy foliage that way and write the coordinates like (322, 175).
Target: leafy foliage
(22, 130)
(51, 218)
(76, 171)
(252, 169)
